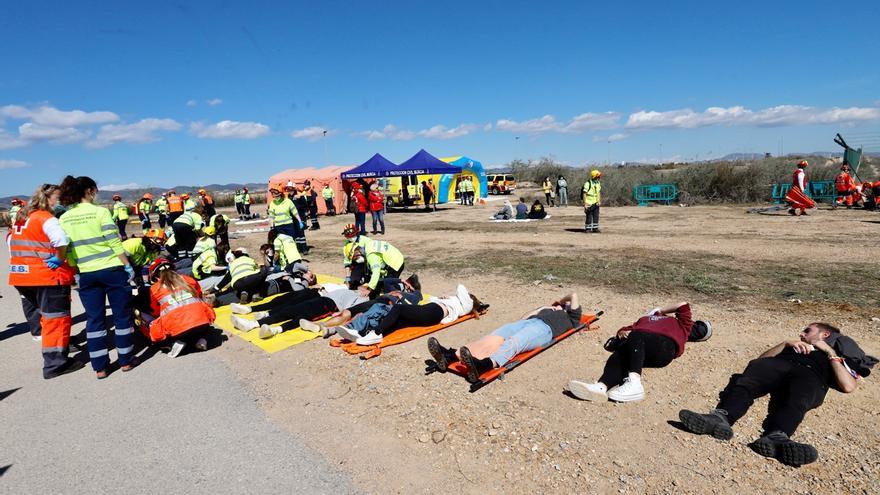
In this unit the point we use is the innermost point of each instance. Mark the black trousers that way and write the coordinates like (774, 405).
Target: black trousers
(252, 284)
(639, 350)
(310, 309)
(287, 299)
(592, 221)
(120, 224)
(406, 315)
(163, 219)
(794, 389)
(184, 237)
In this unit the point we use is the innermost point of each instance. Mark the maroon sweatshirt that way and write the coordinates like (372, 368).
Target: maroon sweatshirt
(677, 327)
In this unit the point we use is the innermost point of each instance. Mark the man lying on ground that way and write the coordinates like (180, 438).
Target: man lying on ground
(797, 374)
(535, 329)
(653, 341)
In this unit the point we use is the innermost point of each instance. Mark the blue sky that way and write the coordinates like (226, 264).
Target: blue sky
(197, 92)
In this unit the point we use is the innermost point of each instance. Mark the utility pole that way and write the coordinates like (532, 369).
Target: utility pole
(324, 138)
(660, 160)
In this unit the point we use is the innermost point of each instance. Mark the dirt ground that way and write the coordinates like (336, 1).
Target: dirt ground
(758, 278)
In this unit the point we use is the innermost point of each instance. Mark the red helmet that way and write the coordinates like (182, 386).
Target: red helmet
(116, 197)
(157, 266)
(15, 201)
(802, 164)
(350, 231)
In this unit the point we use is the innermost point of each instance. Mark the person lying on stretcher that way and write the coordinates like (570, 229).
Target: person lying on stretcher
(535, 329)
(371, 326)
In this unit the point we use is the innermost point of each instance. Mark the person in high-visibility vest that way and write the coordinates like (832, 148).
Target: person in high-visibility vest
(207, 203)
(144, 208)
(847, 192)
(120, 215)
(41, 275)
(178, 310)
(385, 263)
(175, 206)
(328, 195)
(162, 210)
(239, 207)
(186, 232)
(206, 268)
(284, 219)
(141, 251)
(285, 253)
(246, 202)
(220, 222)
(468, 191)
(591, 194)
(355, 274)
(104, 272)
(15, 206)
(244, 279)
(189, 204)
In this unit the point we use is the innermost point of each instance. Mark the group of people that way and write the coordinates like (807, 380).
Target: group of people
(367, 197)
(552, 191)
(466, 190)
(169, 207)
(848, 192)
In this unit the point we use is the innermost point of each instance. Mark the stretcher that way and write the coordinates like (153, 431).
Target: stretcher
(490, 376)
(517, 220)
(277, 343)
(396, 337)
(797, 199)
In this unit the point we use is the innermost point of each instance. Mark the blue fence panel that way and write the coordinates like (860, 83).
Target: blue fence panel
(661, 193)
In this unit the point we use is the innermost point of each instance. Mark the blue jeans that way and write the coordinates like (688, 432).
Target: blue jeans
(521, 336)
(380, 217)
(360, 221)
(94, 287)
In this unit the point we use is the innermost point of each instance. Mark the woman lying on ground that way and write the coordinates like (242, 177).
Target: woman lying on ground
(371, 326)
(178, 311)
(535, 329)
(651, 342)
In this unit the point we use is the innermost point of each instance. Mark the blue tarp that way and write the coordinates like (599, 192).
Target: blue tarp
(424, 163)
(377, 166)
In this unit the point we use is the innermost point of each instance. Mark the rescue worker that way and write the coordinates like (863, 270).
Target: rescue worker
(144, 208)
(797, 196)
(847, 192)
(284, 219)
(384, 261)
(206, 268)
(328, 195)
(462, 191)
(120, 215)
(104, 273)
(284, 252)
(355, 276)
(206, 240)
(591, 194)
(246, 203)
(186, 233)
(239, 207)
(244, 279)
(300, 201)
(15, 206)
(220, 222)
(469, 191)
(359, 206)
(312, 203)
(41, 275)
(180, 313)
(189, 204)
(175, 206)
(141, 251)
(162, 210)
(207, 203)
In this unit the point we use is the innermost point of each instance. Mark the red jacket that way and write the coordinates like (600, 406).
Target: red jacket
(360, 201)
(29, 246)
(377, 200)
(677, 327)
(178, 311)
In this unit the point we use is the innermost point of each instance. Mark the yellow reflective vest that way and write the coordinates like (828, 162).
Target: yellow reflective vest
(286, 249)
(94, 238)
(282, 212)
(591, 192)
(120, 211)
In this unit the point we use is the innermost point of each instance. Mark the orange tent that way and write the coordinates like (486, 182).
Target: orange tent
(319, 177)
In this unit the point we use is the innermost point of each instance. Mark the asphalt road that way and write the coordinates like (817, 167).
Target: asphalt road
(180, 425)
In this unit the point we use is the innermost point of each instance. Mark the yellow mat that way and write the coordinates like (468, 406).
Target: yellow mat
(277, 343)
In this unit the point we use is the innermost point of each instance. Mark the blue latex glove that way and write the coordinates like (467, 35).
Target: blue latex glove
(130, 271)
(53, 262)
(302, 225)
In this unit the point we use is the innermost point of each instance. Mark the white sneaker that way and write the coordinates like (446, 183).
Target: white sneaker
(371, 338)
(240, 309)
(467, 304)
(310, 326)
(37, 338)
(202, 344)
(176, 348)
(629, 391)
(347, 333)
(588, 391)
(259, 315)
(267, 332)
(244, 324)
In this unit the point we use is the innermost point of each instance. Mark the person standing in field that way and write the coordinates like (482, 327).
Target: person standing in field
(562, 190)
(592, 196)
(797, 196)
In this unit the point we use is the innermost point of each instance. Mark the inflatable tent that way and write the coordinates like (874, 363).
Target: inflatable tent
(319, 178)
(449, 182)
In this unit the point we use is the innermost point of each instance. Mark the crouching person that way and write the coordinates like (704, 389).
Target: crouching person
(797, 374)
(653, 341)
(179, 313)
(535, 329)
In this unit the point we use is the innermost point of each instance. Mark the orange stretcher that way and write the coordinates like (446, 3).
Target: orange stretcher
(396, 337)
(798, 200)
(490, 376)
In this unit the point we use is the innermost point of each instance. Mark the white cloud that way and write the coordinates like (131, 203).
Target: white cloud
(8, 141)
(782, 115)
(33, 133)
(610, 139)
(229, 129)
(313, 133)
(442, 132)
(52, 117)
(214, 102)
(140, 132)
(120, 187)
(390, 131)
(544, 124)
(5, 164)
(593, 122)
(191, 103)
(580, 123)
(487, 127)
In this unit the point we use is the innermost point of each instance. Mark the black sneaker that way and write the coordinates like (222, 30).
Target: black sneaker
(476, 367)
(442, 356)
(413, 281)
(69, 367)
(714, 424)
(778, 446)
